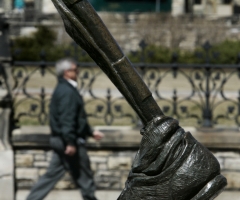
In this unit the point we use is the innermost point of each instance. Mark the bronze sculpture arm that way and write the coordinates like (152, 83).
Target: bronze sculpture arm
(170, 163)
(84, 25)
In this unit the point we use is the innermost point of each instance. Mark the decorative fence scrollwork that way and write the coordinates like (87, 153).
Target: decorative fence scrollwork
(104, 104)
(31, 97)
(196, 94)
(32, 93)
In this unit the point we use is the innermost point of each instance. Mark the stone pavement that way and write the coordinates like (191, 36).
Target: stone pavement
(108, 195)
(71, 195)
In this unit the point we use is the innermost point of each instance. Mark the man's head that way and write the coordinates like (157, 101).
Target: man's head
(67, 68)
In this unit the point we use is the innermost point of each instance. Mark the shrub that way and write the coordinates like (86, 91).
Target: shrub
(43, 40)
(226, 52)
(41, 45)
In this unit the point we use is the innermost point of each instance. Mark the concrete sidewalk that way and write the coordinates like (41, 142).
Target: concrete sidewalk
(108, 195)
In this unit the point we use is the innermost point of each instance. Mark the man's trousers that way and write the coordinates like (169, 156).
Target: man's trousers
(78, 166)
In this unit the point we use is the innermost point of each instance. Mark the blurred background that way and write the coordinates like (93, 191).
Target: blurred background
(186, 51)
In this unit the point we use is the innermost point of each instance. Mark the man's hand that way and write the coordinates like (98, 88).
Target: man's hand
(70, 150)
(97, 135)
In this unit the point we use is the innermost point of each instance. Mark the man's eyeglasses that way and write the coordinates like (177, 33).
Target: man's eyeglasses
(73, 70)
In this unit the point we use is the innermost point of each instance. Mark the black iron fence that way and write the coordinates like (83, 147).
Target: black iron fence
(34, 83)
(196, 94)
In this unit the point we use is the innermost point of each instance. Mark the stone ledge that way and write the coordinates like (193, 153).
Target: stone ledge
(115, 137)
(218, 138)
(126, 137)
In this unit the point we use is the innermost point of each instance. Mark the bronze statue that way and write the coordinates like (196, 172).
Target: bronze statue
(170, 163)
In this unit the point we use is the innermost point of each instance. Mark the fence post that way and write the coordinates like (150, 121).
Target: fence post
(207, 112)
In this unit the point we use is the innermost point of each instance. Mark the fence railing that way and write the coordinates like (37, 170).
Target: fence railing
(196, 94)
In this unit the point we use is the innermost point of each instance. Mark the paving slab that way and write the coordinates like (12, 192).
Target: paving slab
(71, 195)
(229, 195)
(108, 195)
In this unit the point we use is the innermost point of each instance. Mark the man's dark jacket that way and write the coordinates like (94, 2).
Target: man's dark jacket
(67, 115)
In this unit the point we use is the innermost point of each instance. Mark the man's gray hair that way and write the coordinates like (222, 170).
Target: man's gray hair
(63, 65)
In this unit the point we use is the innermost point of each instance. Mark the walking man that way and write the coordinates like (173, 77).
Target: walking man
(69, 129)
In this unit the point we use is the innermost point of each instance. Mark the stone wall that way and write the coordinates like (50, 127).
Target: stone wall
(111, 158)
(110, 168)
(230, 162)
